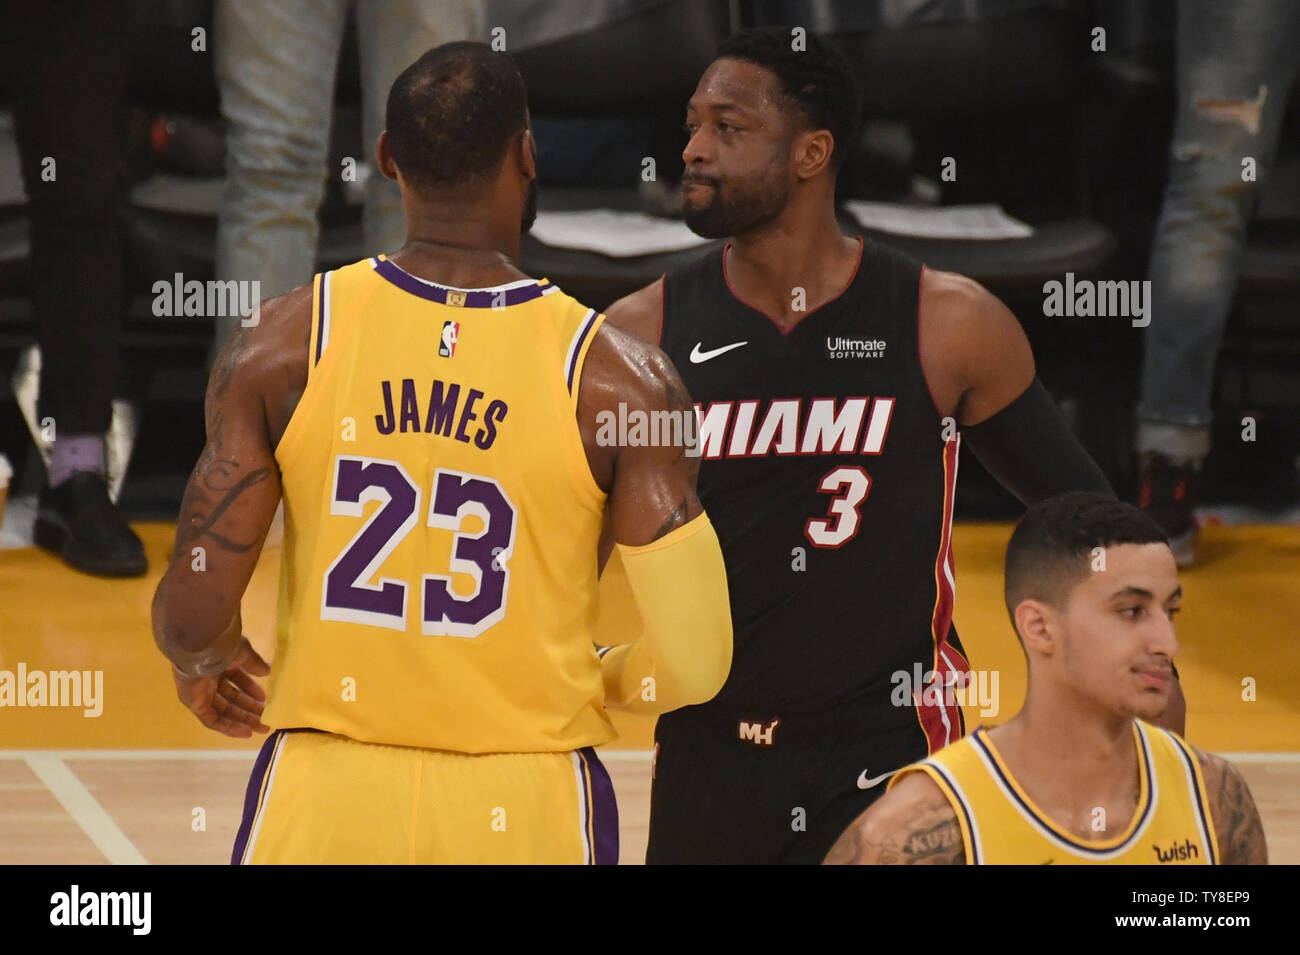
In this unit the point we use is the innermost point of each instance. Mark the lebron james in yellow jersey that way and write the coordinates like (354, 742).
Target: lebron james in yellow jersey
(431, 420)
(1080, 775)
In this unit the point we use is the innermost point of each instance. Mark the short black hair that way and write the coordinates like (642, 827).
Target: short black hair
(1051, 548)
(817, 79)
(452, 114)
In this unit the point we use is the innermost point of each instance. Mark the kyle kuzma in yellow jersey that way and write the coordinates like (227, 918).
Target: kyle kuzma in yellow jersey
(434, 421)
(1082, 774)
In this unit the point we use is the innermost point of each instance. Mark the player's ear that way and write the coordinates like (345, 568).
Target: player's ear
(1034, 624)
(813, 152)
(384, 158)
(528, 154)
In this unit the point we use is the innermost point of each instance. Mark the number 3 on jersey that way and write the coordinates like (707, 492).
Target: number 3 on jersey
(346, 594)
(849, 486)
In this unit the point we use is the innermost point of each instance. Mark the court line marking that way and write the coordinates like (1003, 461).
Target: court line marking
(1260, 757)
(625, 755)
(84, 809)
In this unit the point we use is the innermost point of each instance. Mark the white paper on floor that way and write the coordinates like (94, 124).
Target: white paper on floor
(616, 234)
(939, 222)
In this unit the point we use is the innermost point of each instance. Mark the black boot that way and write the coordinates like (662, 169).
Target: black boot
(77, 521)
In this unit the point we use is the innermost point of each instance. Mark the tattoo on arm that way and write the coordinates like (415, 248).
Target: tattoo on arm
(232, 353)
(199, 513)
(679, 404)
(931, 836)
(934, 843)
(1241, 834)
(217, 481)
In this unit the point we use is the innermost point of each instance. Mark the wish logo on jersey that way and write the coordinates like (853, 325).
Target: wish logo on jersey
(450, 333)
(1178, 852)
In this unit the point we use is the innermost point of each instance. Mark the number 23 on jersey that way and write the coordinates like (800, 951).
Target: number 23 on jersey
(347, 594)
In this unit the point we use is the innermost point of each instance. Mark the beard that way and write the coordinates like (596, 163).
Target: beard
(734, 206)
(530, 208)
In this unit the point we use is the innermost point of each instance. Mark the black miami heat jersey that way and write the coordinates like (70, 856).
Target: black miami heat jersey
(829, 476)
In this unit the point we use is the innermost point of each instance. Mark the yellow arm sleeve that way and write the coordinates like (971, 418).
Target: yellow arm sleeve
(680, 633)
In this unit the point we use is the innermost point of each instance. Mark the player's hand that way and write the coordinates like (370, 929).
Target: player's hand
(231, 703)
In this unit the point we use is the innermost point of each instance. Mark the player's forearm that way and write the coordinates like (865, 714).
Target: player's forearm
(683, 654)
(640, 678)
(199, 632)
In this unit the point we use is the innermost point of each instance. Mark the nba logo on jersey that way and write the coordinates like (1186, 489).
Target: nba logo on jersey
(450, 332)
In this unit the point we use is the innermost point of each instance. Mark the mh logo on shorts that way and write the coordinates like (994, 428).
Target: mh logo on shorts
(450, 332)
(758, 733)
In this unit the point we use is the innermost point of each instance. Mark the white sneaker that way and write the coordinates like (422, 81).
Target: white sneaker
(118, 443)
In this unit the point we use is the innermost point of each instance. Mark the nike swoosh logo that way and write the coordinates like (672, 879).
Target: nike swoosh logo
(865, 783)
(698, 356)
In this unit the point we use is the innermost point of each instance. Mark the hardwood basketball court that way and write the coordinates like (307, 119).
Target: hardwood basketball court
(144, 782)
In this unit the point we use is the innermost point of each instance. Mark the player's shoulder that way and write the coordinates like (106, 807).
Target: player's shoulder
(284, 311)
(623, 373)
(911, 789)
(958, 302)
(1217, 772)
(621, 366)
(640, 313)
(968, 336)
(269, 345)
(1232, 808)
(890, 832)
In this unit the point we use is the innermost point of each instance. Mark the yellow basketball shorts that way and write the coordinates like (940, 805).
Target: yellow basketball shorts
(320, 798)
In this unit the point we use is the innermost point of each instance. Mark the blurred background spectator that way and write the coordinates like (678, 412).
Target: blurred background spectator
(275, 66)
(1236, 63)
(65, 68)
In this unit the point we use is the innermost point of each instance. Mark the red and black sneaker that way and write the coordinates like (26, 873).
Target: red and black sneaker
(1169, 493)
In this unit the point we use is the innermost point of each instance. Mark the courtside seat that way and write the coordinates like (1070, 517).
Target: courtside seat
(653, 56)
(1076, 245)
(646, 61)
(1270, 263)
(1001, 96)
(992, 75)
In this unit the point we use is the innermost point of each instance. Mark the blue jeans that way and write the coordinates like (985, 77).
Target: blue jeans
(275, 65)
(1236, 63)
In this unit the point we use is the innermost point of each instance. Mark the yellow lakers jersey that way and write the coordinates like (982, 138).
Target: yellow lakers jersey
(439, 574)
(1001, 825)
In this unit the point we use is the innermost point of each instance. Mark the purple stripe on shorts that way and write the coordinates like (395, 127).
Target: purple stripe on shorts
(604, 810)
(252, 794)
(476, 298)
